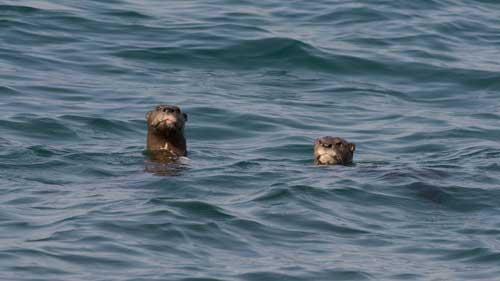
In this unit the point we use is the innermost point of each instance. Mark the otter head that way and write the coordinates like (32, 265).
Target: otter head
(332, 151)
(166, 120)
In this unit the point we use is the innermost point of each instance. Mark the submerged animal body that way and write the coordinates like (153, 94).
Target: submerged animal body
(333, 151)
(166, 133)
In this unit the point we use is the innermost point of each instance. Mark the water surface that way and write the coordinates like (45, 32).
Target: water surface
(414, 85)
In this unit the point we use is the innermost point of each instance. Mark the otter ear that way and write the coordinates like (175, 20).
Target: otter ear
(148, 114)
(317, 141)
(185, 116)
(352, 147)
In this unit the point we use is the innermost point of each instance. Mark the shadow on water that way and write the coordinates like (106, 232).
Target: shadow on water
(160, 163)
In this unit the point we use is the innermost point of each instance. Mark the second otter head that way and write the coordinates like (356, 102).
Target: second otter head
(166, 119)
(332, 151)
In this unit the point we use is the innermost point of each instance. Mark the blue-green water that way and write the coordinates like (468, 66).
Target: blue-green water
(415, 84)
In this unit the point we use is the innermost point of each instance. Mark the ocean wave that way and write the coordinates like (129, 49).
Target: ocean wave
(413, 85)
(38, 127)
(19, 9)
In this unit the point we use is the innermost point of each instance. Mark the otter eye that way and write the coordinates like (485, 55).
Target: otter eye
(327, 145)
(177, 110)
(338, 144)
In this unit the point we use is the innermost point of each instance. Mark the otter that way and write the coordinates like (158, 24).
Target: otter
(166, 139)
(332, 151)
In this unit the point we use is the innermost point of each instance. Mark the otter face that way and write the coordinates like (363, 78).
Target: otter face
(332, 151)
(166, 119)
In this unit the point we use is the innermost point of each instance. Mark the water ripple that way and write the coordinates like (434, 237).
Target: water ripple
(414, 85)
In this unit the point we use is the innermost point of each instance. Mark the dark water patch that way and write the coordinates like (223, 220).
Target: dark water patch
(22, 201)
(495, 167)
(84, 257)
(469, 231)
(8, 91)
(407, 276)
(45, 151)
(462, 254)
(210, 112)
(111, 165)
(419, 173)
(340, 274)
(300, 221)
(18, 9)
(294, 152)
(486, 116)
(427, 42)
(254, 122)
(263, 233)
(487, 258)
(324, 226)
(157, 55)
(275, 52)
(455, 133)
(201, 279)
(272, 48)
(71, 22)
(276, 194)
(35, 38)
(199, 209)
(98, 172)
(38, 127)
(463, 28)
(40, 270)
(27, 157)
(104, 125)
(210, 233)
(127, 14)
(428, 55)
(242, 15)
(322, 275)
(484, 156)
(354, 15)
(53, 89)
(268, 276)
(282, 192)
(425, 148)
(34, 62)
(219, 133)
(11, 23)
(456, 198)
(432, 193)
(246, 29)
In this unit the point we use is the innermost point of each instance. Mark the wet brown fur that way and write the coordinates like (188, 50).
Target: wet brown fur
(333, 151)
(166, 133)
